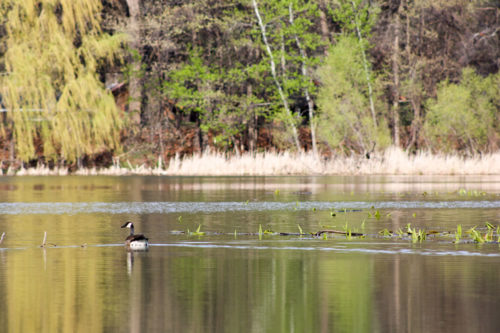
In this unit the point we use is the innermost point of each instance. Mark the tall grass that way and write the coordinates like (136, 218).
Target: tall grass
(392, 161)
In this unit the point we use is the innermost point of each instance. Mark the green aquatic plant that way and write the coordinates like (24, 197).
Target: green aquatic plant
(375, 214)
(421, 235)
(348, 231)
(489, 234)
(416, 235)
(475, 235)
(277, 192)
(198, 232)
(458, 234)
(385, 233)
(179, 219)
(260, 231)
(471, 193)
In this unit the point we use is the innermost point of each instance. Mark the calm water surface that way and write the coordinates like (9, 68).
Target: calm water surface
(86, 281)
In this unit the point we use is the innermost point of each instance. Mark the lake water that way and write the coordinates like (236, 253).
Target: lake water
(231, 279)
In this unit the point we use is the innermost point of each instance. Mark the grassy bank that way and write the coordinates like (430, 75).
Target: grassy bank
(391, 161)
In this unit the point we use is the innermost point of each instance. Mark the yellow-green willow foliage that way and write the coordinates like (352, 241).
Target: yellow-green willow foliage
(51, 90)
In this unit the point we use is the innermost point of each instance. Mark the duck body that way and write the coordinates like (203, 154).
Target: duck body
(135, 241)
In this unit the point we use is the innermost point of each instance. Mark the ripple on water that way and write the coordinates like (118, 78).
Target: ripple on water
(59, 208)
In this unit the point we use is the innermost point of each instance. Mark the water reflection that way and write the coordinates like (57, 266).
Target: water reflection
(217, 283)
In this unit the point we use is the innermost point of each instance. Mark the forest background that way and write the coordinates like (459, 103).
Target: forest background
(85, 83)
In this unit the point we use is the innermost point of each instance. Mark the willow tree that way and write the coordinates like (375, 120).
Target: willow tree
(51, 90)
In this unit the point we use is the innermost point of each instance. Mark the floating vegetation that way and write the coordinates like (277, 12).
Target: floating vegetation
(489, 234)
(471, 193)
(338, 232)
(386, 233)
(413, 234)
(198, 232)
(458, 234)
(475, 235)
(375, 214)
(348, 232)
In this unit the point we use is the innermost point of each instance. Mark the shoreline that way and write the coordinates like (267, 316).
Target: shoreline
(392, 161)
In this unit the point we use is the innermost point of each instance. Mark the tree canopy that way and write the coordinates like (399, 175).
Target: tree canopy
(51, 88)
(241, 75)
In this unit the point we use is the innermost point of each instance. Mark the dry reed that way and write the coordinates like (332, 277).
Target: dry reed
(392, 161)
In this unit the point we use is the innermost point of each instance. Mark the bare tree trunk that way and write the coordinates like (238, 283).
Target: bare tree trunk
(415, 124)
(134, 84)
(275, 78)
(365, 65)
(414, 94)
(325, 34)
(310, 104)
(395, 74)
(252, 124)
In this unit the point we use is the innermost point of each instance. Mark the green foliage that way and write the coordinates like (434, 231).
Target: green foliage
(343, 98)
(52, 91)
(463, 116)
(354, 14)
(290, 44)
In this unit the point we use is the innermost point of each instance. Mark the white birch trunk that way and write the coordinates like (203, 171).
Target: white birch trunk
(273, 73)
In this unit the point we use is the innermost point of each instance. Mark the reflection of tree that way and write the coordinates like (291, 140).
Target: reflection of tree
(258, 291)
(174, 289)
(73, 293)
(423, 293)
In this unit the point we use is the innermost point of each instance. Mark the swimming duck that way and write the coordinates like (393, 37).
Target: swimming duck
(135, 242)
